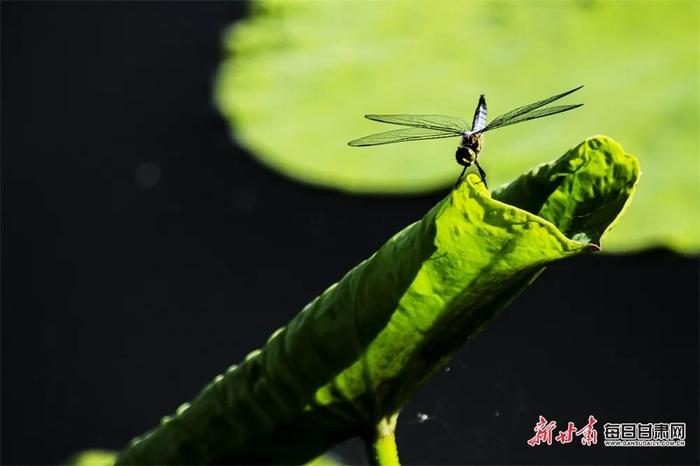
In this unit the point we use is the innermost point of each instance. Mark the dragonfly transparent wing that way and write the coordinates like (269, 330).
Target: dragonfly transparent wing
(479, 122)
(402, 135)
(507, 118)
(438, 122)
(543, 112)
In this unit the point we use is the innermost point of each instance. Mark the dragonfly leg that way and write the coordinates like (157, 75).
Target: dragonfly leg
(460, 176)
(482, 173)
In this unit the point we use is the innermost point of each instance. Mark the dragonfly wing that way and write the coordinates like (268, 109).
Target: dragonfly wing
(438, 122)
(543, 112)
(479, 122)
(502, 119)
(402, 135)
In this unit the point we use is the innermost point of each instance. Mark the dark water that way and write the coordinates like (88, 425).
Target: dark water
(144, 252)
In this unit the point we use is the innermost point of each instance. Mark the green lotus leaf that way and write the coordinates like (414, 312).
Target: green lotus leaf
(350, 360)
(108, 458)
(300, 76)
(93, 458)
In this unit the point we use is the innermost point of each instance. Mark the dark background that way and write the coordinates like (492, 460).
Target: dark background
(143, 252)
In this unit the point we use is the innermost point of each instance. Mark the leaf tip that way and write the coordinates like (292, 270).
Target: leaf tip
(478, 184)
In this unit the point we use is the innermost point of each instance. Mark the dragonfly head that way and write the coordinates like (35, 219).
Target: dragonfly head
(465, 155)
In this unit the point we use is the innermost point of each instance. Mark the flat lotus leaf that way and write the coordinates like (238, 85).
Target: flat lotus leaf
(354, 355)
(301, 75)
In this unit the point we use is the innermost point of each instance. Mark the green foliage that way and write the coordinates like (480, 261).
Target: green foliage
(93, 458)
(350, 360)
(301, 74)
(108, 458)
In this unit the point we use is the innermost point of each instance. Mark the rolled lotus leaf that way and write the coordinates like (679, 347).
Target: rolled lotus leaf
(350, 360)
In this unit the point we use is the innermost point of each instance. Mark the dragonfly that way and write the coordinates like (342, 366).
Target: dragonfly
(422, 127)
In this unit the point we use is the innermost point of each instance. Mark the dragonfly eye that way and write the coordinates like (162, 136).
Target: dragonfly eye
(464, 156)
